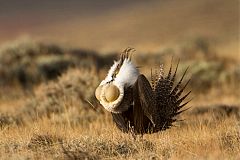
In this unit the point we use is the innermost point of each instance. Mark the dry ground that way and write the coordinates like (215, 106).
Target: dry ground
(53, 120)
(199, 138)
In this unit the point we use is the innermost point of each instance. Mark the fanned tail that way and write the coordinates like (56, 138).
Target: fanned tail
(168, 99)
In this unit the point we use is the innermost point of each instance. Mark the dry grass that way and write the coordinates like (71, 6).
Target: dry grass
(55, 121)
(197, 139)
(207, 132)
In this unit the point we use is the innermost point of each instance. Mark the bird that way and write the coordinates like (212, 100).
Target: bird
(137, 105)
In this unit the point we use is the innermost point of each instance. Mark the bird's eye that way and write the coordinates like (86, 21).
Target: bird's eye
(114, 75)
(98, 92)
(116, 72)
(111, 93)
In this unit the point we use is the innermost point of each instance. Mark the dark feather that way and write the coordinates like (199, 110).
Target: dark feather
(153, 108)
(144, 93)
(120, 122)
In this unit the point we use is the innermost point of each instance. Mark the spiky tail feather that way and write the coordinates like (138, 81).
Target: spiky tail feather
(168, 99)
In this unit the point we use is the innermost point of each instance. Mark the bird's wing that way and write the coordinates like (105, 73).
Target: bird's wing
(121, 123)
(144, 94)
(168, 101)
(124, 120)
(143, 106)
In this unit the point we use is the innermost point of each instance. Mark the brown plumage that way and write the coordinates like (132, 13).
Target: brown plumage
(151, 107)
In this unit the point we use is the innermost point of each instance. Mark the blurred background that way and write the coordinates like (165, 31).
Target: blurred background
(47, 47)
(112, 25)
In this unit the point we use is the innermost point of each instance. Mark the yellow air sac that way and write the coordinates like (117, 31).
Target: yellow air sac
(111, 93)
(98, 92)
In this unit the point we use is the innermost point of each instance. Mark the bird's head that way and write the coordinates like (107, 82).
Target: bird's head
(112, 91)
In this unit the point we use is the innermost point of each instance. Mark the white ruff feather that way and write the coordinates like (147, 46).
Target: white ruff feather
(110, 73)
(126, 77)
(127, 74)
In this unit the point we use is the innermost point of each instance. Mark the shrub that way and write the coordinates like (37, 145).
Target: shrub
(28, 62)
(68, 96)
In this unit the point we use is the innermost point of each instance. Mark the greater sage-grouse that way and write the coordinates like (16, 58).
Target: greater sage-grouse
(137, 105)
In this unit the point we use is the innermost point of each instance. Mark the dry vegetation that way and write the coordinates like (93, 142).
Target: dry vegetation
(54, 119)
(25, 62)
